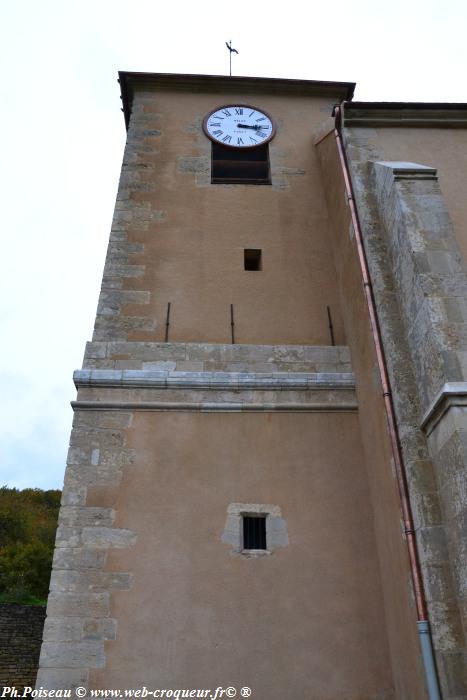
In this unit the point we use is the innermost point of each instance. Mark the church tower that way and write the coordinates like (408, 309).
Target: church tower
(230, 515)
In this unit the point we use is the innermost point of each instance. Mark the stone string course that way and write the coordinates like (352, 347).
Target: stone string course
(207, 377)
(209, 357)
(144, 390)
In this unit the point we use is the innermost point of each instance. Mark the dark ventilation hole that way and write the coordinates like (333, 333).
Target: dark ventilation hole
(243, 167)
(254, 532)
(252, 257)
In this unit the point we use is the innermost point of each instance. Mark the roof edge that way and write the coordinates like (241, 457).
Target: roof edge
(128, 80)
(416, 114)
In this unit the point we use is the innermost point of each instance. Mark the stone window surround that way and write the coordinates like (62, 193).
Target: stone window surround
(276, 528)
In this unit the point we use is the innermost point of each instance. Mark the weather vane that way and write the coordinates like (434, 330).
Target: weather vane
(231, 51)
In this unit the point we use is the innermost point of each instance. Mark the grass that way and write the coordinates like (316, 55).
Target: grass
(21, 599)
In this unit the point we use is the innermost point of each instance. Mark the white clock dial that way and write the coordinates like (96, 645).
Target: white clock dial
(239, 126)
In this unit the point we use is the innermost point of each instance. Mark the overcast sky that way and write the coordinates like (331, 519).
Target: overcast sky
(63, 137)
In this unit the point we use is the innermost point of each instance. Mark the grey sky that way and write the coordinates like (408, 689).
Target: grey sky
(63, 137)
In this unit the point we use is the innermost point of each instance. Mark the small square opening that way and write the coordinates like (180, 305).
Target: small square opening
(254, 532)
(252, 259)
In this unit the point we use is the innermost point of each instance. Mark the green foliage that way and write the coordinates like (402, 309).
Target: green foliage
(28, 520)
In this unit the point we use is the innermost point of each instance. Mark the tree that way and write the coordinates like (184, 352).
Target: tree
(28, 520)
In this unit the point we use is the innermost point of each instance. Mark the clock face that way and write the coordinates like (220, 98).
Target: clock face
(239, 126)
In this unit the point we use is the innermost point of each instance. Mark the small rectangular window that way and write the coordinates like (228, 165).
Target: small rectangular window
(249, 166)
(254, 532)
(252, 259)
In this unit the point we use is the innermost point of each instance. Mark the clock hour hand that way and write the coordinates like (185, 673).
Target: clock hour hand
(248, 126)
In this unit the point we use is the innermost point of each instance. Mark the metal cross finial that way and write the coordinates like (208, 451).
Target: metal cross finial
(231, 51)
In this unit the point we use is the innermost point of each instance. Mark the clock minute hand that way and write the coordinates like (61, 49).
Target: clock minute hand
(248, 126)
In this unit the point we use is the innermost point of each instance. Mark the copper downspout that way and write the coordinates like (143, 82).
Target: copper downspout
(422, 612)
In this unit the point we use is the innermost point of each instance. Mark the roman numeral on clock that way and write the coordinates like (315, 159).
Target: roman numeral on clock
(219, 132)
(239, 110)
(227, 139)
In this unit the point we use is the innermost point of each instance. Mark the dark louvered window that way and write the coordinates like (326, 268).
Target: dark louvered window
(237, 166)
(252, 259)
(254, 532)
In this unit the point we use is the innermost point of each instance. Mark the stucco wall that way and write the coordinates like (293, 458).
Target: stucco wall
(304, 620)
(176, 238)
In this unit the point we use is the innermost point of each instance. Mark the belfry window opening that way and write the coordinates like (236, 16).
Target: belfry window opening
(242, 167)
(254, 532)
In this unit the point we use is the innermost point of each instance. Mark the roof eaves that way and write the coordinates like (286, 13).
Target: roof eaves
(417, 114)
(340, 90)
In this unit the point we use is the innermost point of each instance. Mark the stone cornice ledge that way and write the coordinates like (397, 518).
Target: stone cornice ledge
(164, 379)
(403, 170)
(152, 390)
(218, 406)
(406, 115)
(452, 394)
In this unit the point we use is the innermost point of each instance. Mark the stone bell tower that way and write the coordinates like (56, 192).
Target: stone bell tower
(224, 523)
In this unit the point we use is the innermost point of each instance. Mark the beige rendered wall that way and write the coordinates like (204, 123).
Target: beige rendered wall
(443, 149)
(398, 614)
(303, 622)
(188, 236)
